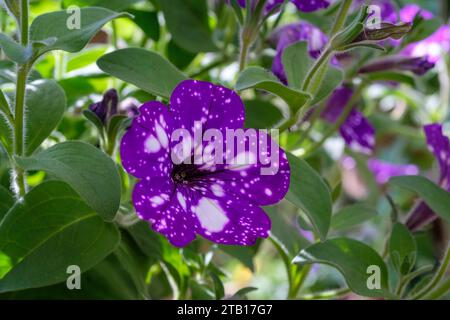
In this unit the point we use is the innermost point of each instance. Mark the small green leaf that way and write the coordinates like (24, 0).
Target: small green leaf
(261, 114)
(309, 192)
(402, 248)
(352, 216)
(94, 119)
(145, 69)
(46, 104)
(362, 267)
(6, 202)
(436, 198)
(259, 78)
(13, 50)
(187, 21)
(56, 25)
(150, 242)
(6, 134)
(86, 169)
(51, 229)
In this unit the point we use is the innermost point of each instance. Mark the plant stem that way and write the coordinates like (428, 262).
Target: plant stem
(343, 116)
(243, 56)
(440, 274)
(341, 17)
(22, 74)
(439, 292)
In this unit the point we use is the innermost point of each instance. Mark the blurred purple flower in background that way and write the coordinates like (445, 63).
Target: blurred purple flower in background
(431, 48)
(439, 144)
(302, 5)
(292, 33)
(383, 171)
(356, 130)
(220, 202)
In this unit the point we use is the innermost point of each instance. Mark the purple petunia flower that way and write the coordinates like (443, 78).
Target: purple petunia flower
(357, 131)
(302, 5)
(409, 12)
(439, 144)
(384, 171)
(292, 33)
(181, 193)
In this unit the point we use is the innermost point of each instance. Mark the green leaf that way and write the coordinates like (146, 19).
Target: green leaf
(86, 169)
(421, 30)
(436, 198)
(148, 22)
(354, 260)
(241, 294)
(332, 79)
(218, 286)
(94, 119)
(395, 76)
(178, 56)
(309, 192)
(145, 69)
(296, 63)
(402, 249)
(46, 104)
(285, 232)
(51, 229)
(261, 114)
(55, 25)
(6, 201)
(352, 216)
(13, 50)
(187, 21)
(243, 254)
(150, 242)
(6, 132)
(116, 5)
(85, 58)
(259, 78)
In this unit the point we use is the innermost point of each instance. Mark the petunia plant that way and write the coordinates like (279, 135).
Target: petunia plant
(224, 149)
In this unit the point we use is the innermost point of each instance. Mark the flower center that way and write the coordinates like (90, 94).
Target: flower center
(185, 173)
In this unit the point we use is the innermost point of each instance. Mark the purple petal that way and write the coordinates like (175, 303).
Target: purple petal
(264, 180)
(384, 171)
(409, 12)
(291, 34)
(431, 48)
(230, 220)
(145, 146)
(215, 107)
(311, 5)
(439, 144)
(421, 216)
(357, 131)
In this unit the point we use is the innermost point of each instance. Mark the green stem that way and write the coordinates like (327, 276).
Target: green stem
(243, 56)
(317, 66)
(439, 292)
(440, 274)
(404, 281)
(22, 75)
(341, 17)
(343, 116)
